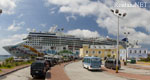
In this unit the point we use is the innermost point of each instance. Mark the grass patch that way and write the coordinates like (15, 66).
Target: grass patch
(0, 70)
(8, 64)
(145, 60)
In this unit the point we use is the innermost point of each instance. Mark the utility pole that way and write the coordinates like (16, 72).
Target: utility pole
(126, 35)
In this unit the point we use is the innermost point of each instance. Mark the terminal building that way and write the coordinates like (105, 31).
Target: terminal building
(135, 53)
(102, 51)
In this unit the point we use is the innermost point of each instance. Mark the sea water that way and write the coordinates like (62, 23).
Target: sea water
(3, 57)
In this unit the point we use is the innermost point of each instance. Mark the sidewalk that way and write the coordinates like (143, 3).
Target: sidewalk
(138, 65)
(143, 63)
(127, 75)
(8, 71)
(57, 72)
(135, 66)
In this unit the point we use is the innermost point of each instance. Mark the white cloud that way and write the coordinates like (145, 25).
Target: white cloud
(10, 40)
(136, 17)
(43, 25)
(52, 12)
(21, 15)
(82, 8)
(83, 33)
(52, 9)
(28, 29)
(70, 17)
(8, 6)
(15, 27)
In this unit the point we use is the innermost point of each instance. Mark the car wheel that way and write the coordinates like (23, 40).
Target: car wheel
(88, 68)
(33, 76)
(83, 66)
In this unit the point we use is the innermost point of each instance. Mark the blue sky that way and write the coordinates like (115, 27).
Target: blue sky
(75, 16)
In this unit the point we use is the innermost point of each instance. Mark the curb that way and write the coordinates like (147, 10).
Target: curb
(3, 74)
(67, 64)
(70, 63)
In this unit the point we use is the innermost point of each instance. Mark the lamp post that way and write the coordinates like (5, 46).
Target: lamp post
(73, 46)
(119, 15)
(126, 35)
(60, 31)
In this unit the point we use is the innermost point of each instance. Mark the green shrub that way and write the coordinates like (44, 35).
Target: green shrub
(28, 61)
(145, 59)
(9, 66)
(16, 64)
(108, 55)
(9, 63)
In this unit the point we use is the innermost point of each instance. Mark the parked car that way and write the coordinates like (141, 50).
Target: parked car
(39, 58)
(132, 60)
(39, 68)
(17, 59)
(49, 60)
(111, 63)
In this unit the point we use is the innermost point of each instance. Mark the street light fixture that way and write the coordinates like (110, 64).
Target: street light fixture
(124, 14)
(1, 11)
(119, 15)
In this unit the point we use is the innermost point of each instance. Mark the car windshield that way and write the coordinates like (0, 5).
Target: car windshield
(37, 65)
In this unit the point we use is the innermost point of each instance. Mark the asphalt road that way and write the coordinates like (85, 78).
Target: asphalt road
(23, 74)
(75, 71)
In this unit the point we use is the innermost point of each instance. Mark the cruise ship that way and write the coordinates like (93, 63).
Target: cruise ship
(52, 42)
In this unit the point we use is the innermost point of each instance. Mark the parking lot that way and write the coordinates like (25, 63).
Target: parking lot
(75, 71)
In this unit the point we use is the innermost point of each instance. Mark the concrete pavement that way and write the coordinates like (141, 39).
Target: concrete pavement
(126, 69)
(75, 71)
(23, 74)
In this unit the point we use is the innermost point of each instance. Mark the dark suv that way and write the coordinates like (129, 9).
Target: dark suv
(39, 68)
(111, 63)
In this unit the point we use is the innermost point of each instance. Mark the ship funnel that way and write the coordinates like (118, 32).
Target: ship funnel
(33, 30)
(52, 29)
